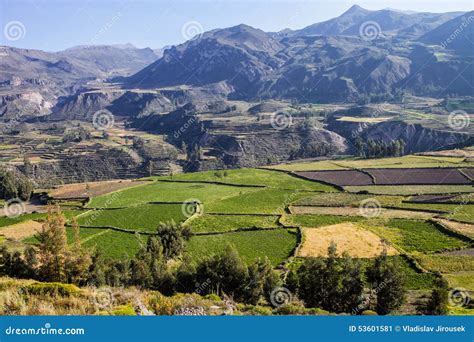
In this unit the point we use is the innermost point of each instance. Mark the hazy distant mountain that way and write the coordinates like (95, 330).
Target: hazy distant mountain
(350, 22)
(111, 59)
(66, 67)
(456, 34)
(32, 80)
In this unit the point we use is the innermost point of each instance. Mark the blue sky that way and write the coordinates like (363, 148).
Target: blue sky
(54, 25)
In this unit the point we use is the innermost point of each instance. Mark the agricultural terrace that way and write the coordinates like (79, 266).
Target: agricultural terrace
(279, 214)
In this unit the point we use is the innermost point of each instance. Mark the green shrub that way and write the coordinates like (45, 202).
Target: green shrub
(369, 313)
(291, 309)
(51, 289)
(317, 311)
(213, 297)
(123, 310)
(160, 305)
(259, 311)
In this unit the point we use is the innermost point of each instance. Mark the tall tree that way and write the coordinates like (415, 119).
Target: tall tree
(387, 279)
(52, 250)
(78, 258)
(438, 301)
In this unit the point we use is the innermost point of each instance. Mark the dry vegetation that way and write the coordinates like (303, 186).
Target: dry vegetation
(21, 230)
(92, 189)
(350, 238)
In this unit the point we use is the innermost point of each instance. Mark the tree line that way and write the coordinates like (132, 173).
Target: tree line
(379, 148)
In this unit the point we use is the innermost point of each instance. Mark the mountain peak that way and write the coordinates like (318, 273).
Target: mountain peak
(355, 9)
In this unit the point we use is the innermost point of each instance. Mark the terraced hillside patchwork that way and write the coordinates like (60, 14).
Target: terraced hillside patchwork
(286, 218)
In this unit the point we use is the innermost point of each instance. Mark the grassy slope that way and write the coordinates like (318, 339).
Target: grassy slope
(416, 236)
(272, 179)
(274, 244)
(264, 201)
(142, 217)
(166, 192)
(214, 223)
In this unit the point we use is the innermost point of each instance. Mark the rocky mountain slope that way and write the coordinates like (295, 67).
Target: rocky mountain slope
(331, 61)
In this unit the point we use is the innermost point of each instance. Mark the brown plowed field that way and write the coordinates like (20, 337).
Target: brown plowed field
(418, 176)
(469, 173)
(340, 177)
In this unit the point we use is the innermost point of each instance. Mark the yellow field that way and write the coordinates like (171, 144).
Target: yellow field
(21, 230)
(349, 237)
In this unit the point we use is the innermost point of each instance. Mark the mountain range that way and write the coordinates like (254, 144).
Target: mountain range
(362, 54)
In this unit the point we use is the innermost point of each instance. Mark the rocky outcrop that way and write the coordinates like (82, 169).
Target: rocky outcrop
(417, 137)
(24, 105)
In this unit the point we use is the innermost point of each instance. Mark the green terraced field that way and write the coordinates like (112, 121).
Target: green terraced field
(113, 244)
(463, 213)
(274, 244)
(7, 221)
(314, 221)
(273, 179)
(463, 280)
(166, 192)
(222, 223)
(144, 217)
(416, 236)
(263, 201)
(446, 263)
